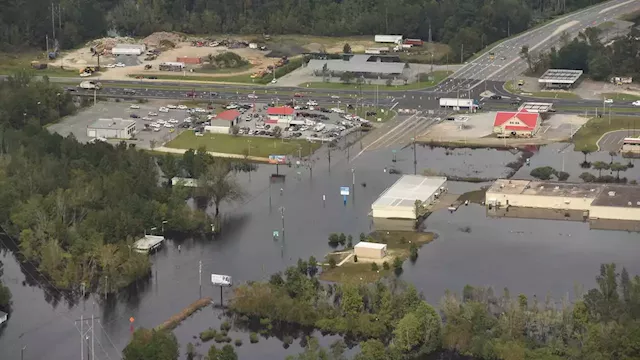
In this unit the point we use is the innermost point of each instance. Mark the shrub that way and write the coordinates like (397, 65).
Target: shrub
(227, 339)
(355, 258)
(225, 326)
(208, 334)
(374, 267)
(385, 265)
(253, 338)
(332, 263)
(238, 342)
(219, 338)
(287, 339)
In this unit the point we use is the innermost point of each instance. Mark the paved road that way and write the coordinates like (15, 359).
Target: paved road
(508, 63)
(612, 141)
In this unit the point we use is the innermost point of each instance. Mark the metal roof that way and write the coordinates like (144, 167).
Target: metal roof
(370, 245)
(357, 64)
(120, 124)
(408, 189)
(560, 76)
(536, 107)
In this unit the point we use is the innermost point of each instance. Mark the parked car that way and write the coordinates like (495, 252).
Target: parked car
(182, 107)
(495, 97)
(636, 103)
(134, 106)
(191, 94)
(163, 109)
(129, 92)
(298, 95)
(134, 116)
(608, 101)
(252, 96)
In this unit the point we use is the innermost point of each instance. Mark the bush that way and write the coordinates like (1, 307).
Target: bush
(562, 175)
(374, 267)
(253, 338)
(225, 326)
(238, 342)
(219, 338)
(543, 172)
(332, 263)
(208, 334)
(334, 240)
(385, 265)
(355, 258)
(413, 253)
(227, 339)
(287, 339)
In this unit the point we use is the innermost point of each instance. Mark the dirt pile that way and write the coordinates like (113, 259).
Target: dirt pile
(107, 43)
(155, 39)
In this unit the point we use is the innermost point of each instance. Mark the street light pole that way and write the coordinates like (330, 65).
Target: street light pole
(22, 352)
(415, 161)
(282, 217)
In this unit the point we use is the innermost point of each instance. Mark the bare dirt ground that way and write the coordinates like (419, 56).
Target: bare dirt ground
(593, 90)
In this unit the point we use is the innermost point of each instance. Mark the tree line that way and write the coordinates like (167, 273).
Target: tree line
(75, 210)
(471, 24)
(586, 52)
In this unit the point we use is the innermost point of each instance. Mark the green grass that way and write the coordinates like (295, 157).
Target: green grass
(438, 76)
(229, 144)
(11, 63)
(620, 96)
(509, 86)
(224, 70)
(587, 137)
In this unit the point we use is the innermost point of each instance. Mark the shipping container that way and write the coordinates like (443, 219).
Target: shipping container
(393, 39)
(189, 60)
(414, 42)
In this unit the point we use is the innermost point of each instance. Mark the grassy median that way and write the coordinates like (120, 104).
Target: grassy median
(243, 145)
(587, 137)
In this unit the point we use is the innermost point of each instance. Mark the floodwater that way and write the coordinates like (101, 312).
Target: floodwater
(527, 256)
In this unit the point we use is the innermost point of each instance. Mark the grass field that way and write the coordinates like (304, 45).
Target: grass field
(438, 76)
(620, 96)
(398, 245)
(588, 135)
(229, 144)
(10, 63)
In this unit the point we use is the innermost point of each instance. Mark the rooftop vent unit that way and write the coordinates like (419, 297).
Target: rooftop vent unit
(541, 187)
(556, 188)
(629, 203)
(592, 190)
(501, 186)
(638, 203)
(612, 193)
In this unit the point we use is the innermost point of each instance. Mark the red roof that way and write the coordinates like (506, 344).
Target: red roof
(228, 115)
(526, 119)
(282, 110)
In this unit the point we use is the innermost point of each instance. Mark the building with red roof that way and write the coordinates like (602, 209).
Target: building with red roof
(280, 115)
(516, 124)
(223, 122)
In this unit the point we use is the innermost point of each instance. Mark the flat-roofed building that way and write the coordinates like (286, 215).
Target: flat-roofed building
(365, 65)
(369, 250)
(630, 146)
(536, 107)
(280, 115)
(398, 201)
(223, 122)
(112, 129)
(559, 78)
(541, 194)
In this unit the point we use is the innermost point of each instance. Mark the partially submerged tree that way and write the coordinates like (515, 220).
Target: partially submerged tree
(218, 184)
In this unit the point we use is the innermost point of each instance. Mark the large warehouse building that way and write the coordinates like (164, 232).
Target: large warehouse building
(398, 201)
(369, 66)
(112, 129)
(605, 206)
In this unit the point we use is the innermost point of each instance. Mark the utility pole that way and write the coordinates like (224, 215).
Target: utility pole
(83, 337)
(430, 38)
(415, 161)
(282, 217)
(53, 20)
(461, 53)
(200, 276)
(22, 352)
(329, 157)
(106, 286)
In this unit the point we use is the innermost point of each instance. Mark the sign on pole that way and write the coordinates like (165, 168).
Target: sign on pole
(277, 159)
(276, 233)
(221, 280)
(344, 190)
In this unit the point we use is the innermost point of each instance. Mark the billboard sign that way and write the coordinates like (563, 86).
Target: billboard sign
(277, 159)
(344, 190)
(221, 280)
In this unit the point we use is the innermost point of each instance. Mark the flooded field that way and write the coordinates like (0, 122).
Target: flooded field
(527, 256)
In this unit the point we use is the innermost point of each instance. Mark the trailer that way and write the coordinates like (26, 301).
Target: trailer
(90, 85)
(414, 42)
(377, 51)
(457, 104)
(393, 39)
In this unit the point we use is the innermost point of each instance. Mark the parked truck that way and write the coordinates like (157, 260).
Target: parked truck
(414, 42)
(90, 85)
(393, 39)
(458, 104)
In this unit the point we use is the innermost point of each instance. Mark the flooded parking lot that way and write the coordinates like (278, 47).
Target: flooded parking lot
(527, 256)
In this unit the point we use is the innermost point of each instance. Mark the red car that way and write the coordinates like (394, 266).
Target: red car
(191, 94)
(298, 95)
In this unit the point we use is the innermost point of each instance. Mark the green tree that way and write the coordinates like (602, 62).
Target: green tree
(347, 77)
(5, 293)
(407, 335)
(277, 132)
(346, 49)
(235, 130)
(349, 241)
(313, 266)
(227, 353)
(152, 345)
(342, 239)
(334, 240)
(543, 173)
(218, 185)
(587, 177)
(617, 167)
(351, 303)
(562, 175)
(372, 350)
(600, 165)
(526, 56)
(397, 266)
(191, 351)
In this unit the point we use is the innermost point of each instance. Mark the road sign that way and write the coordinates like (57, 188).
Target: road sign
(276, 233)
(277, 159)
(344, 190)
(221, 280)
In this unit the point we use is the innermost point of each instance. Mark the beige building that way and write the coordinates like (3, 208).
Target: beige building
(398, 201)
(631, 145)
(369, 250)
(606, 206)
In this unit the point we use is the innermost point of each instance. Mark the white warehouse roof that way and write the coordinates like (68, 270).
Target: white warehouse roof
(408, 189)
(370, 245)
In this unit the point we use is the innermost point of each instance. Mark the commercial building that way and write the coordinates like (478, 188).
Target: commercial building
(362, 65)
(171, 66)
(369, 250)
(279, 115)
(399, 201)
(129, 49)
(112, 129)
(559, 78)
(630, 146)
(223, 122)
(536, 107)
(148, 243)
(605, 206)
(516, 124)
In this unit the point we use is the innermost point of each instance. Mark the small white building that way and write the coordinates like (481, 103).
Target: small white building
(3, 317)
(223, 122)
(148, 243)
(398, 201)
(112, 129)
(369, 250)
(129, 49)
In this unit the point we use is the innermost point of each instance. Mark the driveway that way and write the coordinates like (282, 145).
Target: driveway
(612, 141)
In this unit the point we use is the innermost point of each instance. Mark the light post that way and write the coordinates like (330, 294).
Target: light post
(38, 109)
(353, 178)
(58, 103)
(163, 222)
(22, 352)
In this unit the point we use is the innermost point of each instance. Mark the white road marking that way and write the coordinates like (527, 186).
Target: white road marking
(384, 136)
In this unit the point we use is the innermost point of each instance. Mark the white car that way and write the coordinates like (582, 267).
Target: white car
(636, 103)
(120, 65)
(163, 109)
(151, 113)
(173, 121)
(110, 66)
(146, 118)
(161, 122)
(155, 125)
(274, 81)
(182, 107)
(156, 129)
(134, 107)
(252, 96)
(200, 110)
(171, 107)
(187, 120)
(168, 126)
(312, 103)
(608, 101)
(335, 97)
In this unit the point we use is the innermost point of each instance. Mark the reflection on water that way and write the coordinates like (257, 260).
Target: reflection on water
(528, 256)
